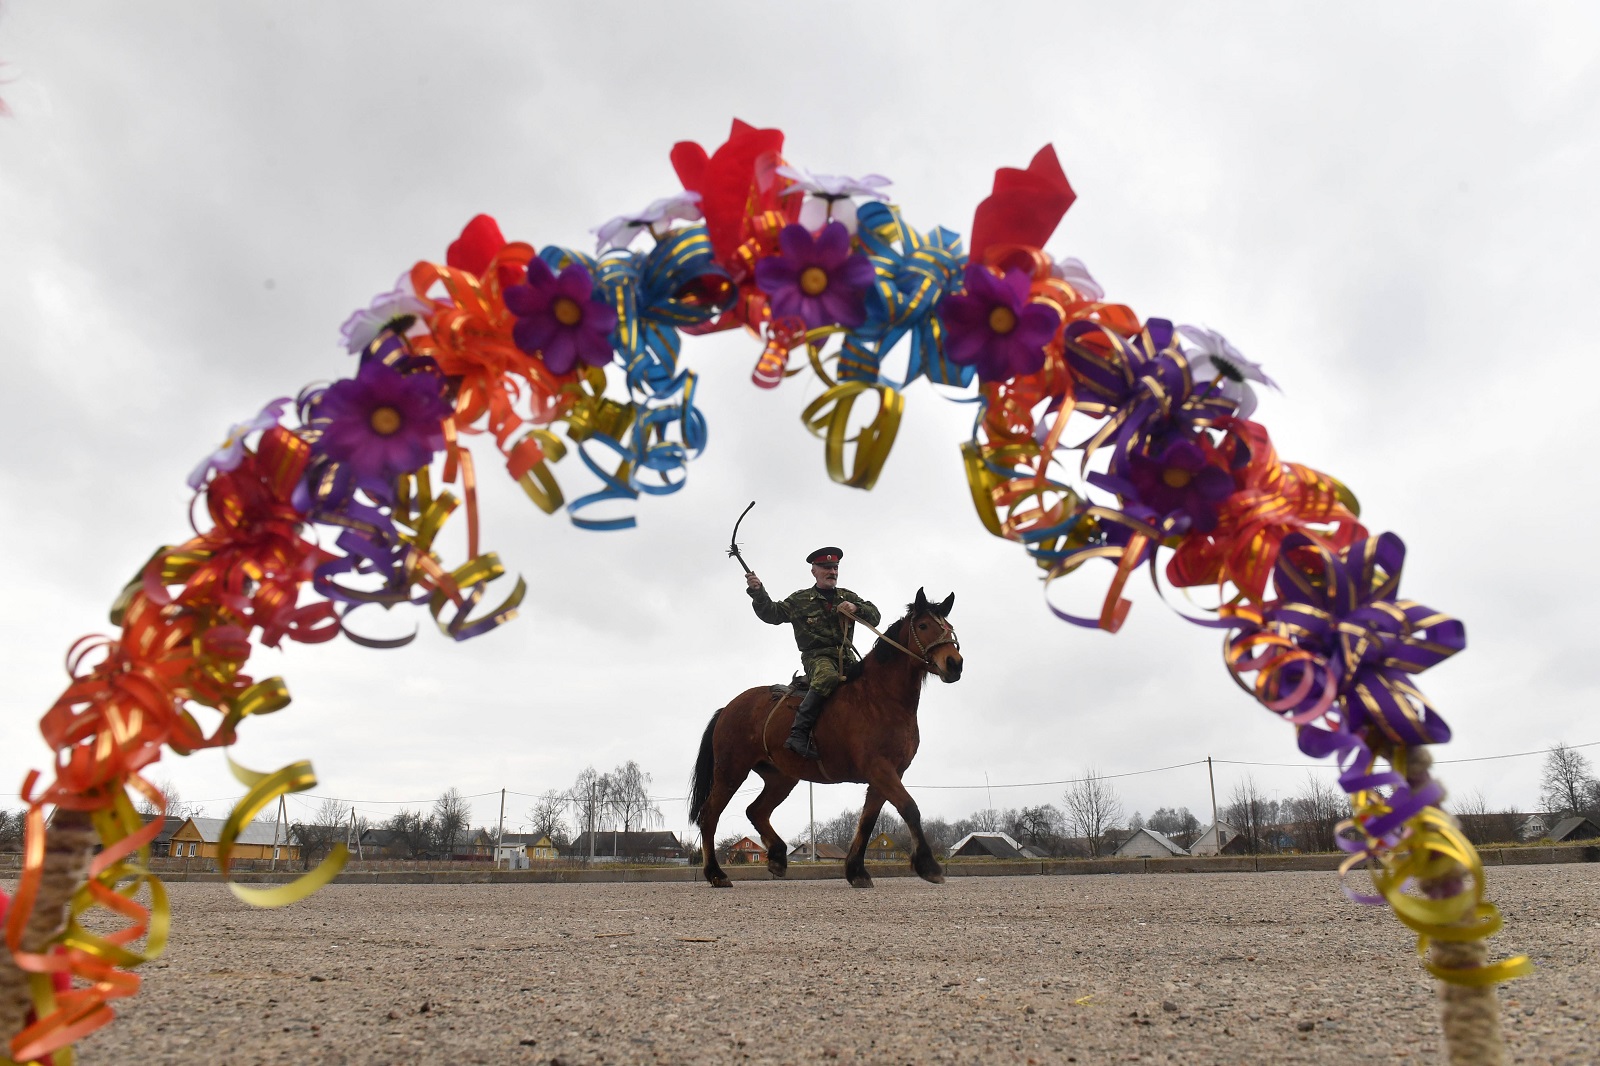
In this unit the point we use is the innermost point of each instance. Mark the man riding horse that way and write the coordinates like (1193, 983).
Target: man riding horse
(822, 617)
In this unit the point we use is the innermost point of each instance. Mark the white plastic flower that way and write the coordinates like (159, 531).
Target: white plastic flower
(1074, 273)
(230, 453)
(1220, 362)
(830, 196)
(620, 232)
(360, 328)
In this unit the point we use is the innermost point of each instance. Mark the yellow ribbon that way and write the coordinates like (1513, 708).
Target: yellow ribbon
(264, 788)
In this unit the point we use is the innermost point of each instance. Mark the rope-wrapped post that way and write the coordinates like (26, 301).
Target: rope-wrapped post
(1468, 1014)
(68, 848)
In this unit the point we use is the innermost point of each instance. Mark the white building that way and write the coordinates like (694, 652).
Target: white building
(1148, 844)
(1208, 844)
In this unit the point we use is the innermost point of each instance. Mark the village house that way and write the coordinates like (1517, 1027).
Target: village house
(1146, 843)
(1232, 842)
(537, 846)
(615, 845)
(987, 846)
(1575, 828)
(162, 844)
(825, 852)
(197, 838)
(746, 850)
(882, 848)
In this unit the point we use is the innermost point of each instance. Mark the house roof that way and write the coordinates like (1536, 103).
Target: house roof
(824, 851)
(210, 830)
(607, 840)
(747, 843)
(530, 839)
(169, 824)
(1159, 838)
(1578, 828)
(996, 845)
(1001, 836)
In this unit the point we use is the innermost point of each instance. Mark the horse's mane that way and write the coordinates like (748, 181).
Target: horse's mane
(881, 650)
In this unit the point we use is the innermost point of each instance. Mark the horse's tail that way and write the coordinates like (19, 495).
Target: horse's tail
(700, 783)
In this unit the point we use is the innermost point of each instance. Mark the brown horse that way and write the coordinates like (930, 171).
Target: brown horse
(867, 733)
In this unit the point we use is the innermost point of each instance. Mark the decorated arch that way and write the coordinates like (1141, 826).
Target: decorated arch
(1099, 437)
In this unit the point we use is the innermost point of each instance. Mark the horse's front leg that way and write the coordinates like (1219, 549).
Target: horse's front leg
(855, 863)
(886, 783)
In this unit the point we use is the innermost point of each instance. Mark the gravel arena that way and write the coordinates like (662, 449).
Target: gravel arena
(1187, 968)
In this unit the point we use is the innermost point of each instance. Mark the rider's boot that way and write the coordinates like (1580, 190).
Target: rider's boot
(805, 719)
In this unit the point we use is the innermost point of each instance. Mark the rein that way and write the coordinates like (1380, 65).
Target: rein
(921, 655)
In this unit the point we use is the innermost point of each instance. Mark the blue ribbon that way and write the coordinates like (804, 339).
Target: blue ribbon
(915, 271)
(651, 293)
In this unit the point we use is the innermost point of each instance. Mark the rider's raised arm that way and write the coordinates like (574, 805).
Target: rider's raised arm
(774, 614)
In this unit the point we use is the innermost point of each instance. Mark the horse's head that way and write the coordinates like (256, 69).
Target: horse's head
(926, 630)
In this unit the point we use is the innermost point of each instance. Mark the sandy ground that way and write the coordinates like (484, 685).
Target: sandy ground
(1202, 968)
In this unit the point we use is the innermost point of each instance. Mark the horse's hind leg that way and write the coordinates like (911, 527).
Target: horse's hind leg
(777, 789)
(888, 784)
(855, 864)
(722, 791)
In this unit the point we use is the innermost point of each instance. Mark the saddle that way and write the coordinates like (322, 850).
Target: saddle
(799, 683)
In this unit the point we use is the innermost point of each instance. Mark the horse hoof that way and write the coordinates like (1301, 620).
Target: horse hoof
(720, 882)
(864, 881)
(778, 869)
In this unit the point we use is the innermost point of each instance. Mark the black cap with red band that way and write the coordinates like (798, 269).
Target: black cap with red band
(825, 557)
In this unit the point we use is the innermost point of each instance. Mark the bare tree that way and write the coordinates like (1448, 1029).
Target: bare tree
(590, 799)
(1317, 812)
(176, 807)
(1041, 826)
(12, 824)
(545, 817)
(451, 816)
(629, 800)
(1179, 825)
(412, 832)
(1567, 783)
(1252, 814)
(327, 826)
(1092, 809)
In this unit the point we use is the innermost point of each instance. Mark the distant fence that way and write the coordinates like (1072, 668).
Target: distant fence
(397, 872)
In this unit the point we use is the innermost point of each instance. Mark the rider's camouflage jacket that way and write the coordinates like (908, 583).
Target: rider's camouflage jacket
(817, 626)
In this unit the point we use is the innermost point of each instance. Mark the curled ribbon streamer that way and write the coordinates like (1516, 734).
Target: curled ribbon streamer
(828, 416)
(914, 271)
(264, 788)
(1272, 499)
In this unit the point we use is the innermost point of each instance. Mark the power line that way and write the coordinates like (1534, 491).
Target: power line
(302, 797)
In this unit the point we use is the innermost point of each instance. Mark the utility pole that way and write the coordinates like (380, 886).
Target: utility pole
(354, 832)
(281, 818)
(811, 801)
(500, 833)
(1216, 830)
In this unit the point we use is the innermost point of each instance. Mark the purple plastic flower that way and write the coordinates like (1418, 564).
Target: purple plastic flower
(381, 422)
(1177, 489)
(558, 318)
(231, 451)
(817, 280)
(993, 326)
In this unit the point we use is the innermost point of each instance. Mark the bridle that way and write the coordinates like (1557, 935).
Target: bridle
(947, 635)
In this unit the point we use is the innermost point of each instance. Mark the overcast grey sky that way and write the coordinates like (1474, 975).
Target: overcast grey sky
(1387, 211)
